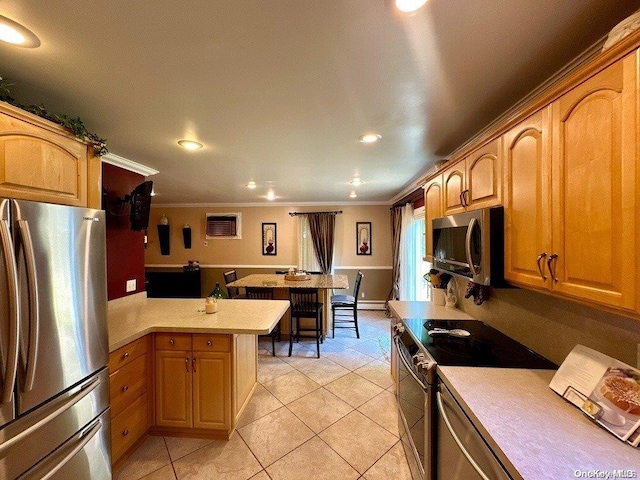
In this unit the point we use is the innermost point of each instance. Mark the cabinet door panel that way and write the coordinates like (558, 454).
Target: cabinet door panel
(594, 187)
(173, 389)
(453, 185)
(483, 177)
(527, 199)
(211, 390)
(432, 209)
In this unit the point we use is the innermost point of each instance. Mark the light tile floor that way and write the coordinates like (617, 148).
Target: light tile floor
(330, 418)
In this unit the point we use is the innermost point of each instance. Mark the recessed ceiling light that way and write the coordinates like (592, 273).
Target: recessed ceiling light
(369, 138)
(251, 185)
(408, 6)
(190, 144)
(356, 181)
(271, 195)
(353, 194)
(16, 34)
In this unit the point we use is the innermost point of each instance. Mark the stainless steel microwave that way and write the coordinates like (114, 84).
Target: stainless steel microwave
(471, 245)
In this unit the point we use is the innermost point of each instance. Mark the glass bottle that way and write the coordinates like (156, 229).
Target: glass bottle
(217, 292)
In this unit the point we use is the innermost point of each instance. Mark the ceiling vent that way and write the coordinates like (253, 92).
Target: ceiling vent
(223, 225)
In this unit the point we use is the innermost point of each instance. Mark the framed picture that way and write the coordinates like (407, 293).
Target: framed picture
(363, 238)
(269, 239)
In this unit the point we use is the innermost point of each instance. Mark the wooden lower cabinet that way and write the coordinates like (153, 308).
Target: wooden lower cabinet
(130, 371)
(202, 389)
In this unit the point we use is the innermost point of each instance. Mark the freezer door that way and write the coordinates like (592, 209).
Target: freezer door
(42, 432)
(83, 456)
(9, 312)
(61, 263)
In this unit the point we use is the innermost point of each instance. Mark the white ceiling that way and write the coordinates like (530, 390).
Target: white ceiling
(278, 91)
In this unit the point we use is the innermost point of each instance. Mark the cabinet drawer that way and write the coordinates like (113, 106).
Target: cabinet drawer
(211, 342)
(128, 383)
(173, 341)
(128, 427)
(120, 357)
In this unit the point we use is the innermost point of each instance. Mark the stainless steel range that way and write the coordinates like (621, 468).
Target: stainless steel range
(440, 442)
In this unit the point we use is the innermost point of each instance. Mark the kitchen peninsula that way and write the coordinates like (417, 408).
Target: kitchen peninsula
(175, 370)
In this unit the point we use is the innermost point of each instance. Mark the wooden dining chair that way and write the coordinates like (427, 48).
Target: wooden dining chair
(344, 308)
(305, 304)
(265, 293)
(234, 292)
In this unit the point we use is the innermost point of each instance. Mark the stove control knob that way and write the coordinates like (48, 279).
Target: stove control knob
(424, 366)
(418, 358)
(398, 328)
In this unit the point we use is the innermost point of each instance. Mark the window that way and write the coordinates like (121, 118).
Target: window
(306, 254)
(413, 286)
(223, 225)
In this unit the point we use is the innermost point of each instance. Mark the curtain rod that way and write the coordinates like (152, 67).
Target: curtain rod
(294, 214)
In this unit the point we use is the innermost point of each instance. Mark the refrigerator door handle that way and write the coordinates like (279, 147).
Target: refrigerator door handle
(34, 307)
(85, 438)
(84, 390)
(14, 310)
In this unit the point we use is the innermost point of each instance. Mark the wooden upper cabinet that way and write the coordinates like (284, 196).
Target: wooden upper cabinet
(432, 209)
(483, 177)
(41, 161)
(453, 185)
(595, 187)
(527, 200)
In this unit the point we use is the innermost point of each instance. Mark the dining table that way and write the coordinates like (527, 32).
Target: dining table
(281, 286)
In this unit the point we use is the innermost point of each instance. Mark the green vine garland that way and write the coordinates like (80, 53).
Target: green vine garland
(74, 125)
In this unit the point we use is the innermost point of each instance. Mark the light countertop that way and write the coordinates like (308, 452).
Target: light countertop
(339, 282)
(533, 431)
(533, 428)
(132, 317)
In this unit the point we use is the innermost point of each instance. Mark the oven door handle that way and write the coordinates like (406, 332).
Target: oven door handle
(406, 365)
(464, 451)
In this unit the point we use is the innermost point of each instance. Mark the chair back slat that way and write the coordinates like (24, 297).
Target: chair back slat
(356, 286)
(231, 276)
(260, 293)
(304, 300)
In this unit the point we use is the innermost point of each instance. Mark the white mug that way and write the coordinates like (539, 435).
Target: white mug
(438, 296)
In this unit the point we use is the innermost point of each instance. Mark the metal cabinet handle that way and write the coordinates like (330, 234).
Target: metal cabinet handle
(550, 263)
(172, 341)
(34, 309)
(10, 373)
(125, 432)
(125, 388)
(209, 343)
(186, 363)
(464, 451)
(193, 363)
(126, 355)
(540, 266)
(465, 202)
(461, 199)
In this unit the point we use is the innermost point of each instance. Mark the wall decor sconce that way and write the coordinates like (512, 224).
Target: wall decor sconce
(163, 235)
(186, 236)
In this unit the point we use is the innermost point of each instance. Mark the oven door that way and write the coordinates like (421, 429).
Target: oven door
(412, 397)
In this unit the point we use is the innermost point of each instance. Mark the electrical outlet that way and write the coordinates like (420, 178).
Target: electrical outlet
(206, 244)
(362, 295)
(132, 285)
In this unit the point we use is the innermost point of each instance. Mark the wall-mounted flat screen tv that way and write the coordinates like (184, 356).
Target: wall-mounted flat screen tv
(140, 206)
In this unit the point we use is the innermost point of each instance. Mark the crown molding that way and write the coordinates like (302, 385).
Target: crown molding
(118, 161)
(270, 204)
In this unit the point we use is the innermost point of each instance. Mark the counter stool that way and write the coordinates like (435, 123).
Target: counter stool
(265, 293)
(305, 304)
(345, 308)
(234, 292)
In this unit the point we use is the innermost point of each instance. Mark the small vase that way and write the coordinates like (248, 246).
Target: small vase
(217, 292)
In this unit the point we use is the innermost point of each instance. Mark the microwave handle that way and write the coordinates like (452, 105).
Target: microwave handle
(467, 246)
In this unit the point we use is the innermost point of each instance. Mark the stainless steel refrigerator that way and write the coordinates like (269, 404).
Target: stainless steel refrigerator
(54, 383)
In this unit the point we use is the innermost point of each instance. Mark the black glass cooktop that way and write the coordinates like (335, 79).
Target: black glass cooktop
(473, 343)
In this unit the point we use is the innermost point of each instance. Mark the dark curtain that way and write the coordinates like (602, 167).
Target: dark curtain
(396, 226)
(323, 227)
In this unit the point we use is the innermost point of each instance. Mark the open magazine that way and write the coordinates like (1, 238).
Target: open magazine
(605, 389)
